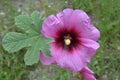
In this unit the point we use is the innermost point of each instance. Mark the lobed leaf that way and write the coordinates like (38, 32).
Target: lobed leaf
(44, 46)
(32, 55)
(13, 41)
(36, 20)
(23, 22)
(31, 39)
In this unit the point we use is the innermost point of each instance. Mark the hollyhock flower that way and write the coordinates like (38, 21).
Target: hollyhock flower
(74, 40)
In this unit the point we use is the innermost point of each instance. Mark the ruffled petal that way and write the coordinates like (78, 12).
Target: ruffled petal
(79, 18)
(74, 60)
(81, 21)
(53, 23)
(89, 43)
(87, 74)
(46, 60)
(91, 46)
(50, 26)
(64, 16)
(90, 32)
(94, 34)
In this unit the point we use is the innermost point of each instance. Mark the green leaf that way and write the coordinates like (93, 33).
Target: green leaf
(37, 20)
(32, 55)
(29, 24)
(44, 46)
(13, 41)
(31, 39)
(24, 22)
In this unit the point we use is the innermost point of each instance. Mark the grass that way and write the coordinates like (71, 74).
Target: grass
(105, 16)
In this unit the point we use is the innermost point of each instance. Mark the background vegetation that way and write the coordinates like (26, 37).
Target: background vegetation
(105, 15)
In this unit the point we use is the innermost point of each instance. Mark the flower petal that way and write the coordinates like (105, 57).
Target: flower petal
(81, 21)
(46, 60)
(90, 32)
(89, 43)
(74, 60)
(64, 16)
(87, 74)
(50, 26)
(53, 23)
(94, 34)
(79, 17)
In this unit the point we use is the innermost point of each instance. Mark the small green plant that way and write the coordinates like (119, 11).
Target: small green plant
(30, 38)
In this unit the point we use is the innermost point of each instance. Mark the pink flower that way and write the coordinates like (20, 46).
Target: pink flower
(87, 74)
(74, 39)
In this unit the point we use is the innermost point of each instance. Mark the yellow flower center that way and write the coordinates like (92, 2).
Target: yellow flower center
(67, 41)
